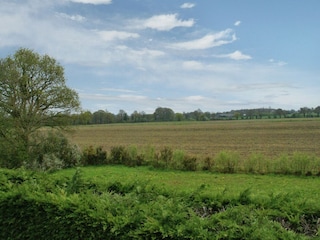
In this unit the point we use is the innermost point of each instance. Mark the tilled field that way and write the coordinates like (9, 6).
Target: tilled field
(268, 137)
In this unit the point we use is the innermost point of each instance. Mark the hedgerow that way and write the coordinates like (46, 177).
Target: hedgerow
(39, 206)
(223, 162)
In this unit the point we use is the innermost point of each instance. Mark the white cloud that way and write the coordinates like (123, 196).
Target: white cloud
(148, 52)
(237, 23)
(77, 18)
(94, 2)
(192, 65)
(237, 55)
(208, 41)
(165, 22)
(116, 35)
(118, 90)
(194, 98)
(278, 63)
(187, 5)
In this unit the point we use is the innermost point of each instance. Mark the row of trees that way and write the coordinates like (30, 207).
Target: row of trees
(167, 114)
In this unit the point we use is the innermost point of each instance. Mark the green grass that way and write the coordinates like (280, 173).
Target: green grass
(232, 184)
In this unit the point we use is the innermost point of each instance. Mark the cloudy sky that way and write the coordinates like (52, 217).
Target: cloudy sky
(213, 55)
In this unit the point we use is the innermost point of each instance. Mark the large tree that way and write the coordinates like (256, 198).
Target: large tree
(163, 114)
(33, 94)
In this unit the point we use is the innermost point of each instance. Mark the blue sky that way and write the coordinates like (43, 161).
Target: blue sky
(213, 55)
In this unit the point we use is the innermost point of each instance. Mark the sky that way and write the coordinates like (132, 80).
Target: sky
(137, 55)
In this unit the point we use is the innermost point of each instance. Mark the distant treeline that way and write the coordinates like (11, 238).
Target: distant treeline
(163, 114)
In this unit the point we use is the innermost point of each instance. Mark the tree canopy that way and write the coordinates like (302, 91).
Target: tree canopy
(33, 94)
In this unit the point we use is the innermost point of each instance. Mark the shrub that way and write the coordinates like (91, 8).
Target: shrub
(189, 163)
(177, 161)
(281, 165)
(50, 162)
(136, 159)
(93, 156)
(256, 163)
(12, 156)
(76, 184)
(149, 155)
(163, 159)
(226, 162)
(302, 164)
(54, 152)
(120, 155)
(207, 164)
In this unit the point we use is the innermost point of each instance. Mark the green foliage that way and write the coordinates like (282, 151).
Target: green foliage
(226, 162)
(303, 164)
(177, 161)
(189, 163)
(12, 155)
(223, 162)
(164, 158)
(93, 156)
(76, 184)
(54, 151)
(207, 164)
(33, 94)
(35, 206)
(134, 158)
(120, 155)
(256, 163)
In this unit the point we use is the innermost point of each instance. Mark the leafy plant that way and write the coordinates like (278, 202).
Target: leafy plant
(226, 162)
(120, 155)
(93, 156)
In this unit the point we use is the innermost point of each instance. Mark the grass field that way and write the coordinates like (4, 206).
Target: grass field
(268, 137)
(303, 188)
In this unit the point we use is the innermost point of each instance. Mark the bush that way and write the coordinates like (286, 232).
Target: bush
(256, 163)
(177, 161)
(189, 163)
(93, 156)
(120, 155)
(136, 159)
(12, 156)
(207, 164)
(163, 159)
(226, 162)
(302, 164)
(281, 165)
(54, 152)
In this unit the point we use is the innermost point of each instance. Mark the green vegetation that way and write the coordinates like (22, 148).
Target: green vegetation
(136, 203)
(223, 162)
(33, 94)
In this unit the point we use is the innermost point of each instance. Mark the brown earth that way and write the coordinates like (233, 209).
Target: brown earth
(268, 137)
